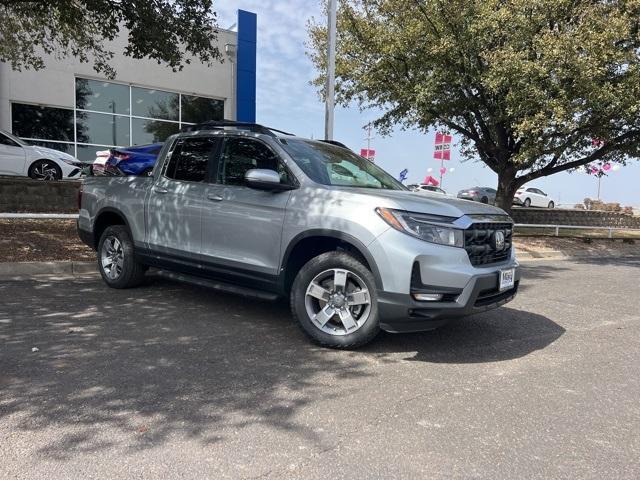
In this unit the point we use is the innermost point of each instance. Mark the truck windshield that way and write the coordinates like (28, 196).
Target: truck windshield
(331, 165)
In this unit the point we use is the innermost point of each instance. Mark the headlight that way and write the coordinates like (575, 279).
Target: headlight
(425, 227)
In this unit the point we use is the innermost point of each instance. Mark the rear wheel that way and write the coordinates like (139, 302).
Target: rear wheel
(335, 302)
(551, 205)
(527, 202)
(484, 200)
(45, 170)
(116, 260)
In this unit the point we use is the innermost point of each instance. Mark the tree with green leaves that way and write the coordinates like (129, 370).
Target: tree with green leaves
(168, 31)
(530, 87)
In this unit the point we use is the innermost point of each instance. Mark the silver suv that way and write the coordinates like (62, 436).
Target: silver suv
(254, 211)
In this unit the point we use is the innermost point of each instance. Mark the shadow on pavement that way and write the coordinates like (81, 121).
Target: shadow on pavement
(498, 335)
(167, 358)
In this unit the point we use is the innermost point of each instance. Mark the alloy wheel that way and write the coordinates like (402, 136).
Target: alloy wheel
(112, 257)
(45, 171)
(338, 302)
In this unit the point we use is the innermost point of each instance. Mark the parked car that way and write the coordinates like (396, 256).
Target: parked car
(429, 188)
(98, 165)
(479, 194)
(254, 212)
(18, 157)
(137, 160)
(533, 197)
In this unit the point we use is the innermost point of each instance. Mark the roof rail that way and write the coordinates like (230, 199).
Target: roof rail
(336, 143)
(221, 124)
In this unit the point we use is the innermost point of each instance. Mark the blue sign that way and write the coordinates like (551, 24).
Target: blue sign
(403, 175)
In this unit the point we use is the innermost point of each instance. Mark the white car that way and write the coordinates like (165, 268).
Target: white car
(429, 189)
(19, 158)
(533, 197)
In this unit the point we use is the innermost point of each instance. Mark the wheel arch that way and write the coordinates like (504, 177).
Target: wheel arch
(307, 245)
(107, 217)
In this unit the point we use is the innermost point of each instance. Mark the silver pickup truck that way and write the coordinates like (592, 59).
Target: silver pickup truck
(258, 212)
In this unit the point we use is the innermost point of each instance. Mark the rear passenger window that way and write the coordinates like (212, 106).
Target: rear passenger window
(189, 159)
(242, 154)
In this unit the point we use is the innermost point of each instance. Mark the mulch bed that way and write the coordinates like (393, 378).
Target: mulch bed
(41, 240)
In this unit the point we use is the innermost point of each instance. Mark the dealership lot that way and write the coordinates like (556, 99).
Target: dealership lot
(175, 381)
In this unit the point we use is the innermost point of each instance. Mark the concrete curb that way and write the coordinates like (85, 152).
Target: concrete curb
(22, 269)
(528, 257)
(40, 216)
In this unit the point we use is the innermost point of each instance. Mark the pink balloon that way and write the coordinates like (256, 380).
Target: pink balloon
(606, 167)
(443, 170)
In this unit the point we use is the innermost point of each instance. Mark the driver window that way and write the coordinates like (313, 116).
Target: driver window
(242, 154)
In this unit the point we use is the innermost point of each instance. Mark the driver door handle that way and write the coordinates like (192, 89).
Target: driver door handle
(214, 198)
(160, 190)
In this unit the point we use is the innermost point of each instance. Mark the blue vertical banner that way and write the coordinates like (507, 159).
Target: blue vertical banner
(246, 67)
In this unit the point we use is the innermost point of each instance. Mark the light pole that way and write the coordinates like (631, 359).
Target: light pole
(331, 70)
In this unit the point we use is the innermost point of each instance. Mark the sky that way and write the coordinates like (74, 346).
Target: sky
(287, 101)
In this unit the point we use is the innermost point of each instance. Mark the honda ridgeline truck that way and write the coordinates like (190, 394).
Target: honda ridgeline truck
(254, 211)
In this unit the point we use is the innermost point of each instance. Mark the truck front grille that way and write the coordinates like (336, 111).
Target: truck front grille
(479, 242)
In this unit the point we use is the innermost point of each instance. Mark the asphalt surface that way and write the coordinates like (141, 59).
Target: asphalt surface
(173, 381)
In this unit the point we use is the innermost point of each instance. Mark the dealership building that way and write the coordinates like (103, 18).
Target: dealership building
(67, 106)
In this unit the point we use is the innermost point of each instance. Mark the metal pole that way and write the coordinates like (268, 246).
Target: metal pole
(331, 70)
(599, 179)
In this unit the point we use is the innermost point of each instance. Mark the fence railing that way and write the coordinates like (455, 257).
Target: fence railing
(557, 228)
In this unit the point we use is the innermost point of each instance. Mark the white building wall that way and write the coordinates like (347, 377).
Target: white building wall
(55, 85)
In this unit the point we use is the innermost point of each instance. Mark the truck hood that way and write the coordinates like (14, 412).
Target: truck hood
(433, 204)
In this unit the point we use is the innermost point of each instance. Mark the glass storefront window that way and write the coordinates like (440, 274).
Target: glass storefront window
(201, 109)
(108, 114)
(102, 129)
(102, 96)
(151, 131)
(154, 103)
(47, 123)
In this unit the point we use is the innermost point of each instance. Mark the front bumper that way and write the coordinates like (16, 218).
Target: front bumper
(399, 312)
(409, 265)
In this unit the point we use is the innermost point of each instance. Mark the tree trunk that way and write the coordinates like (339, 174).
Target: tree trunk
(507, 187)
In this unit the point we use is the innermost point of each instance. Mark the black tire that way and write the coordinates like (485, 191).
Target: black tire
(551, 204)
(45, 170)
(484, 200)
(132, 272)
(147, 173)
(316, 266)
(527, 202)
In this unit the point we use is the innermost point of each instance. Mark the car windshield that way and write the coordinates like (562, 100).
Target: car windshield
(331, 165)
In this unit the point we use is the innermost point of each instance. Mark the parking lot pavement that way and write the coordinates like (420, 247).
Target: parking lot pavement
(174, 381)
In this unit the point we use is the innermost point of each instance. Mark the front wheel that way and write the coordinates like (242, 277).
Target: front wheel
(45, 170)
(116, 260)
(527, 202)
(335, 302)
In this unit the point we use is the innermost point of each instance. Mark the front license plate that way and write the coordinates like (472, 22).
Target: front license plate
(507, 278)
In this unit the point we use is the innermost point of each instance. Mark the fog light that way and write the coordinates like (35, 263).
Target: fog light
(427, 297)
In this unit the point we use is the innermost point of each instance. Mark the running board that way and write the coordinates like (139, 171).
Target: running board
(217, 285)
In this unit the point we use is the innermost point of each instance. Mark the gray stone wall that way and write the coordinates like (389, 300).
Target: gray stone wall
(26, 195)
(590, 218)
